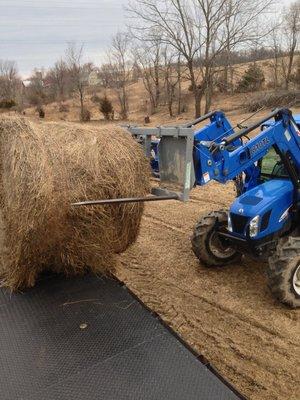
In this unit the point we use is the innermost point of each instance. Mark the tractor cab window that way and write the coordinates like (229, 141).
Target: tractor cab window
(272, 167)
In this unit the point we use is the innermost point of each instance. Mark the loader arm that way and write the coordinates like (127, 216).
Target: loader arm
(223, 161)
(216, 152)
(217, 128)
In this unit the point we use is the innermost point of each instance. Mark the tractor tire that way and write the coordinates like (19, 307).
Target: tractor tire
(284, 272)
(208, 247)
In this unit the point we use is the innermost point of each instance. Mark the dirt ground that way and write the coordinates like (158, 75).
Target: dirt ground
(226, 314)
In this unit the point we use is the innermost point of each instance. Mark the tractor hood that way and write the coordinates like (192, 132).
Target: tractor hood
(270, 201)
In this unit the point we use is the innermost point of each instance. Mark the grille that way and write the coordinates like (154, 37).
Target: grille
(265, 221)
(239, 222)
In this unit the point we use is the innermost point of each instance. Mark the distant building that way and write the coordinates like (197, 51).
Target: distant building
(26, 82)
(94, 79)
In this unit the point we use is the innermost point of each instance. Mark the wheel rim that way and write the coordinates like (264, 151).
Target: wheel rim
(296, 280)
(219, 248)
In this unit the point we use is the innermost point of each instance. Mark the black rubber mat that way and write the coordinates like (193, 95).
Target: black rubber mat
(90, 338)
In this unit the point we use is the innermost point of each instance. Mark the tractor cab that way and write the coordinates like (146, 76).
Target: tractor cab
(271, 166)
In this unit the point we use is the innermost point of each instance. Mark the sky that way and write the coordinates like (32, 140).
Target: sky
(35, 33)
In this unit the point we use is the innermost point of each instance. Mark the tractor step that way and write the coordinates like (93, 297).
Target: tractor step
(91, 338)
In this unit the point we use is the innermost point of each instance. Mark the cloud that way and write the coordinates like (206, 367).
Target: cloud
(35, 32)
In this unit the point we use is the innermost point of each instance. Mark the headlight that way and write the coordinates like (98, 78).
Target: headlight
(254, 226)
(229, 226)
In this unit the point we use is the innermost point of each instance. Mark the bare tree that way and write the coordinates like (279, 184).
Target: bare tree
(78, 72)
(275, 62)
(105, 75)
(175, 23)
(199, 30)
(36, 90)
(148, 59)
(179, 70)
(172, 77)
(229, 26)
(156, 51)
(59, 78)
(242, 25)
(296, 76)
(291, 33)
(9, 80)
(120, 70)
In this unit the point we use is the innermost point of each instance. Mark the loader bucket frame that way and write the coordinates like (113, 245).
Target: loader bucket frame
(176, 166)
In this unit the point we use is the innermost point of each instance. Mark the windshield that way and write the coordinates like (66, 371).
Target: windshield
(271, 166)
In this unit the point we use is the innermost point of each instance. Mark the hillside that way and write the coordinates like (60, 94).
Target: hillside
(233, 104)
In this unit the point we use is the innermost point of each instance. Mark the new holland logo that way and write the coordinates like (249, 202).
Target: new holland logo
(258, 146)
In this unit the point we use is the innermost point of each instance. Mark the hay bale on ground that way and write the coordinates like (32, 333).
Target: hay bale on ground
(44, 167)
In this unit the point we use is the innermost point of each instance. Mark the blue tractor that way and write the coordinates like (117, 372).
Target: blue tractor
(264, 219)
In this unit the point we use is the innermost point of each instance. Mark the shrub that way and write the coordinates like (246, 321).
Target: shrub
(184, 107)
(41, 112)
(252, 79)
(220, 83)
(106, 108)
(63, 108)
(95, 98)
(5, 103)
(85, 115)
(35, 99)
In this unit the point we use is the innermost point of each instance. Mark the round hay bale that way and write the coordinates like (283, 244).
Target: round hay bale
(44, 167)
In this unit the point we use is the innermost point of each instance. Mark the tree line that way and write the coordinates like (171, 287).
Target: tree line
(167, 45)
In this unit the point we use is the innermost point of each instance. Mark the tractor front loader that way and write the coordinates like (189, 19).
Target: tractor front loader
(263, 221)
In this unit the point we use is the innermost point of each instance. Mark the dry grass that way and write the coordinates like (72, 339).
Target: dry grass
(43, 169)
(272, 99)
